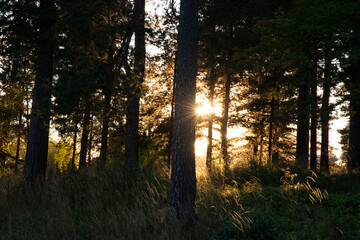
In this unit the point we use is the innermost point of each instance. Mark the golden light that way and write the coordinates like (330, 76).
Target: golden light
(205, 109)
(200, 147)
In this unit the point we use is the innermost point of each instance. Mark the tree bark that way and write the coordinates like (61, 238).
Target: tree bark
(224, 124)
(85, 136)
(314, 122)
(183, 178)
(325, 117)
(132, 111)
(302, 136)
(354, 131)
(38, 136)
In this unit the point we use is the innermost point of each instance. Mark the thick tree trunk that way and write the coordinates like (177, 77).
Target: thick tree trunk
(132, 111)
(313, 137)
(84, 137)
(17, 154)
(38, 136)
(183, 178)
(354, 131)
(210, 122)
(325, 117)
(302, 137)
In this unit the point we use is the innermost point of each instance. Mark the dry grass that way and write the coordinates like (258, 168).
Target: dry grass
(256, 203)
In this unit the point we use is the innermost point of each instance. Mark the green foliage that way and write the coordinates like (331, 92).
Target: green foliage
(63, 156)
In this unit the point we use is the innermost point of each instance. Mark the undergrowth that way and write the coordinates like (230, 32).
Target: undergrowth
(257, 202)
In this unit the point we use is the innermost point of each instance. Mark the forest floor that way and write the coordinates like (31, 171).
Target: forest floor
(252, 203)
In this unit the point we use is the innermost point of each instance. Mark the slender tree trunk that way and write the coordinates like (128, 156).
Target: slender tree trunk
(302, 137)
(4, 143)
(107, 106)
(261, 149)
(224, 124)
(84, 137)
(14, 78)
(271, 123)
(210, 122)
(105, 129)
(132, 111)
(183, 178)
(313, 137)
(18, 141)
(74, 144)
(255, 151)
(91, 138)
(2, 154)
(169, 156)
(27, 110)
(225, 119)
(325, 117)
(38, 136)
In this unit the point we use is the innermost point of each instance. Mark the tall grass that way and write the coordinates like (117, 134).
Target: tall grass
(254, 203)
(90, 206)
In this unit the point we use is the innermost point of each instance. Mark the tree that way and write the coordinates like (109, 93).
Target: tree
(115, 24)
(314, 121)
(353, 84)
(183, 178)
(228, 80)
(38, 136)
(17, 46)
(354, 130)
(212, 82)
(325, 117)
(133, 101)
(302, 136)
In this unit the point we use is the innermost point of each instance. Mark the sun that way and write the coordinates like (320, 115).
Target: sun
(206, 109)
(203, 109)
